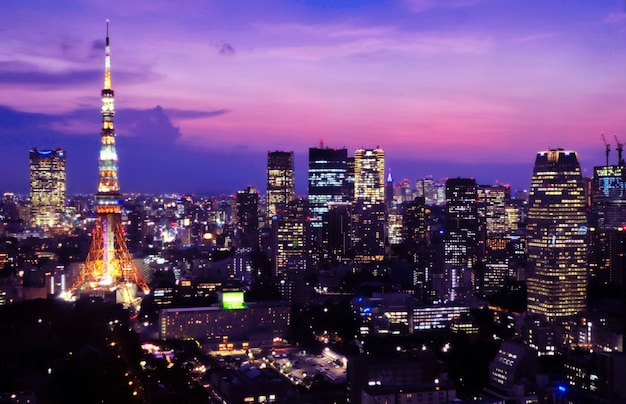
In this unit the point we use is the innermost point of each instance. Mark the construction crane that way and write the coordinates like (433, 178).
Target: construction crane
(620, 149)
(607, 148)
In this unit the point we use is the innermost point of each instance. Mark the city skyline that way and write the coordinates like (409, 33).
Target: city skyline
(452, 88)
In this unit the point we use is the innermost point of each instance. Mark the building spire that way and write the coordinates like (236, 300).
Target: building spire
(107, 62)
(108, 185)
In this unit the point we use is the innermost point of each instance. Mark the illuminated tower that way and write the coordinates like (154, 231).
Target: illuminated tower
(557, 236)
(109, 266)
(47, 187)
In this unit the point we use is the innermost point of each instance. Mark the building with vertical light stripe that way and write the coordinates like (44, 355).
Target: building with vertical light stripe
(557, 236)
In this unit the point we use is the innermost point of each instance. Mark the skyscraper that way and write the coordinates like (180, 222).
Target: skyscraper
(248, 216)
(109, 266)
(369, 175)
(556, 235)
(280, 182)
(460, 242)
(369, 213)
(292, 247)
(608, 212)
(327, 176)
(47, 187)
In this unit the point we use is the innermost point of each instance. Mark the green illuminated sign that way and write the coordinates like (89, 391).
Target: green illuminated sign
(233, 300)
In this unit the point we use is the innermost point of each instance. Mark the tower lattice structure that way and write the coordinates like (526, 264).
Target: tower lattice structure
(109, 265)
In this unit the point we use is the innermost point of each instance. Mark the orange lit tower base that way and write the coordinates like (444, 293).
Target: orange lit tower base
(109, 266)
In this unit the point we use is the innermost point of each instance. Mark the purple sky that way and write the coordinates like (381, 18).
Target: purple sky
(205, 88)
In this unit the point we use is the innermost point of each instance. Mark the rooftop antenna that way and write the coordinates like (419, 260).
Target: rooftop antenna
(607, 148)
(620, 149)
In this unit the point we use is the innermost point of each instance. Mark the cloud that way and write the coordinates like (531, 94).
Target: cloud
(422, 44)
(615, 19)
(324, 30)
(17, 73)
(155, 125)
(423, 5)
(190, 114)
(227, 50)
(146, 157)
(20, 74)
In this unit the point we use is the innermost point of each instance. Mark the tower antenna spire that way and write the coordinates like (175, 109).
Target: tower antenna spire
(107, 61)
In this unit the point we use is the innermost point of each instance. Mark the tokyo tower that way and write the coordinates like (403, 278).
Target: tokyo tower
(109, 266)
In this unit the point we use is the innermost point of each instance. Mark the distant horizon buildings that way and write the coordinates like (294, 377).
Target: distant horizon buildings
(557, 236)
(47, 187)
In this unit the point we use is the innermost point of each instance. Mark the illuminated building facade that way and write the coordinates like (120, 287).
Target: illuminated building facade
(512, 364)
(369, 212)
(492, 202)
(47, 187)
(328, 169)
(368, 226)
(414, 222)
(280, 182)
(493, 237)
(460, 242)
(557, 236)
(250, 322)
(609, 196)
(369, 175)
(608, 224)
(109, 266)
(292, 247)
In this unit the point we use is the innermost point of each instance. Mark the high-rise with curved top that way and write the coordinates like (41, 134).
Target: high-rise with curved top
(557, 236)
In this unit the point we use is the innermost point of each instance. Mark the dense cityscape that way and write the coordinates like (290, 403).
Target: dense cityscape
(368, 289)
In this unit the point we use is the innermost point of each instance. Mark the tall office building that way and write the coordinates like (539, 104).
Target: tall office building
(414, 222)
(557, 236)
(337, 231)
(248, 216)
(460, 242)
(608, 212)
(349, 183)
(47, 187)
(328, 169)
(369, 175)
(280, 182)
(369, 213)
(10, 210)
(292, 247)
